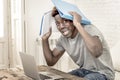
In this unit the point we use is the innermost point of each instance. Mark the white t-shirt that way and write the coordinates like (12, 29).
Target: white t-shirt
(77, 50)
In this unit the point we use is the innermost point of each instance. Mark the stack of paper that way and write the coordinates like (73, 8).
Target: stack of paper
(64, 8)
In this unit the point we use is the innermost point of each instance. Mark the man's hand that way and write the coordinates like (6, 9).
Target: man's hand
(47, 35)
(76, 18)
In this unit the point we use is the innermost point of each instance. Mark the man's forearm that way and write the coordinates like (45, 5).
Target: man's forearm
(47, 51)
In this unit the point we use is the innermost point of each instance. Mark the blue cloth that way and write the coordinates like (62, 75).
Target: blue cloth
(88, 75)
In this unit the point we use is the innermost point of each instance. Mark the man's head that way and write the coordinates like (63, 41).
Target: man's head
(65, 26)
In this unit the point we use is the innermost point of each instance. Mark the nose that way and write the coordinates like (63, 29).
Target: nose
(62, 25)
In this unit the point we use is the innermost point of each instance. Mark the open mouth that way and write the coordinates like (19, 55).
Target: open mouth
(65, 31)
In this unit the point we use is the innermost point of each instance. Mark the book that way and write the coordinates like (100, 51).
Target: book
(47, 22)
(64, 8)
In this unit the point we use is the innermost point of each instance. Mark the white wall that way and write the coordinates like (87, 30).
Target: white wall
(105, 15)
(34, 12)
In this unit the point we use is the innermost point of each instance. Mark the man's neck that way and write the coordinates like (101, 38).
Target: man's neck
(75, 31)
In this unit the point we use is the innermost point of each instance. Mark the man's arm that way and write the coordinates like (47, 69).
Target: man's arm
(51, 56)
(93, 43)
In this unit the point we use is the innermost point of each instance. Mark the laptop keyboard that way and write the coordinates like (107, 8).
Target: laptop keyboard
(43, 77)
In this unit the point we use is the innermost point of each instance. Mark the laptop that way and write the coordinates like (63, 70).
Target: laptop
(30, 69)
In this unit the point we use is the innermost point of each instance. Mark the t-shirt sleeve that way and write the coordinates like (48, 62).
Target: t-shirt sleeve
(93, 31)
(59, 45)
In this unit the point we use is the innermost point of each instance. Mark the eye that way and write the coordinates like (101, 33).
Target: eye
(66, 20)
(57, 23)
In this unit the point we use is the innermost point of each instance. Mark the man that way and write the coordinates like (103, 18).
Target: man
(85, 45)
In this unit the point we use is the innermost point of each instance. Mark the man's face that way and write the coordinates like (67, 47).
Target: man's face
(65, 26)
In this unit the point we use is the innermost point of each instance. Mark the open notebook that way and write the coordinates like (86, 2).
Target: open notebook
(47, 22)
(64, 8)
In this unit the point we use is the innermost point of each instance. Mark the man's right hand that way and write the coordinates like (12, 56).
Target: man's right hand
(47, 35)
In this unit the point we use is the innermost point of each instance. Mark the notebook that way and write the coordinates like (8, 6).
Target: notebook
(64, 8)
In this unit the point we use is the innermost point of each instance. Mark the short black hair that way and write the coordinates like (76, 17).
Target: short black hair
(54, 12)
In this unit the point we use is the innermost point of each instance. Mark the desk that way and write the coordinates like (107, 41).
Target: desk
(65, 75)
(18, 74)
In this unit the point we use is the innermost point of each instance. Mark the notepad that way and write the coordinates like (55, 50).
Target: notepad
(64, 8)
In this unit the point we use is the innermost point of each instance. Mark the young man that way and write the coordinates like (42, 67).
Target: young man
(85, 45)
